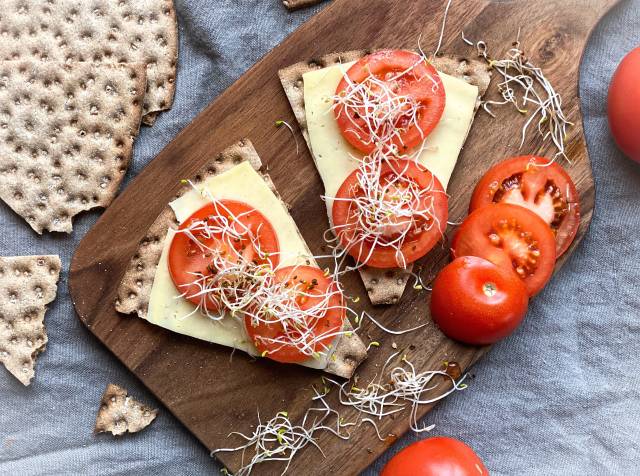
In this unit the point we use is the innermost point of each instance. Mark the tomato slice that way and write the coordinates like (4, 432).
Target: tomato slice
(538, 184)
(393, 97)
(393, 221)
(512, 237)
(314, 304)
(223, 232)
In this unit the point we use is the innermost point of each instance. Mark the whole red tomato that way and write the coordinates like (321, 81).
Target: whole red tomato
(437, 456)
(624, 105)
(477, 302)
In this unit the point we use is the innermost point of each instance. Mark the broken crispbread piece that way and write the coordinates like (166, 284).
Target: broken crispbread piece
(134, 291)
(119, 413)
(295, 4)
(27, 284)
(108, 31)
(384, 286)
(66, 136)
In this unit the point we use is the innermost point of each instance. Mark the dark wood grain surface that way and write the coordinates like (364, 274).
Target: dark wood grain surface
(195, 380)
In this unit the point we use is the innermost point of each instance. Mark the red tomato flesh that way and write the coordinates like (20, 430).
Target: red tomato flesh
(187, 256)
(437, 456)
(512, 237)
(426, 227)
(405, 75)
(538, 184)
(476, 302)
(309, 290)
(623, 106)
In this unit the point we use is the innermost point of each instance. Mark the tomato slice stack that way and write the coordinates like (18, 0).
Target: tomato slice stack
(524, 213)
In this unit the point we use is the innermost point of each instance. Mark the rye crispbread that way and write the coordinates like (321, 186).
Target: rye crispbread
(66, 136)
(27, 285)
(135, 287)
(119, 413)
(384, 286)
(97, 31)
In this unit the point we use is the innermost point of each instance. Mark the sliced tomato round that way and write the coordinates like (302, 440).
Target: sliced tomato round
(392, 94)
(234, 229)
(309, 289)
(512, 237)
(368, 228)
(538, 184)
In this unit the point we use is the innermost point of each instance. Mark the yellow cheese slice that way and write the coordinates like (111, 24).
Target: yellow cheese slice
(176, 314)
(335, 158)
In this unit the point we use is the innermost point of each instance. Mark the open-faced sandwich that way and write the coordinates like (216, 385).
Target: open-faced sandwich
(225, 262)
(385, 130)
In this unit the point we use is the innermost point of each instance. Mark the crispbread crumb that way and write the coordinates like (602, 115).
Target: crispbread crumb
(119, 413)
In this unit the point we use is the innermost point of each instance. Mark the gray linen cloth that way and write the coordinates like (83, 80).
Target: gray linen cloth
(561, 396)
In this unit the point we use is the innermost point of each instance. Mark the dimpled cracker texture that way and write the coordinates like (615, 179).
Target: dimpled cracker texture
(66, 136)
(27, 285)
(109, 31)
(120, 413)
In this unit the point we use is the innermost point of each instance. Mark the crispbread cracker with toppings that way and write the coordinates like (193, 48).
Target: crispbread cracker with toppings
(97, 31)
(384, 286)
(119, 413)
(27, 285)
(295, 4)
(66, 136)
(135, 287)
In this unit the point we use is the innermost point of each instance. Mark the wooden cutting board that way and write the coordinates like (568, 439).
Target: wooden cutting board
(196, 381)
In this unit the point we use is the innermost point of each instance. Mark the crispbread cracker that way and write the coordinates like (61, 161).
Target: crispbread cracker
(135, 287)
(66, 136)
(119, 413)
(97, 31)
(27, 284)
(295, 4)
(384, 286)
